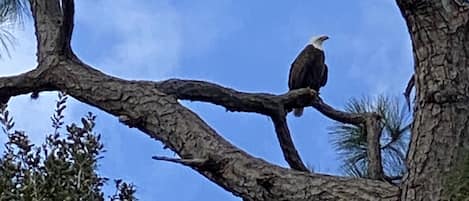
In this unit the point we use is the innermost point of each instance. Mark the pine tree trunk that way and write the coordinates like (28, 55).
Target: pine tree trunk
(440, 137)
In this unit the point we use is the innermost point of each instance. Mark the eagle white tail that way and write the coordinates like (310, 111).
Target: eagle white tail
(297, 112)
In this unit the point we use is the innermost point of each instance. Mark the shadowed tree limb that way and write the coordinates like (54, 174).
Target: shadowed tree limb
(68, 12)
(263, 103)
(373, 135)
(275, 107)
(160, 116)
(286, 143)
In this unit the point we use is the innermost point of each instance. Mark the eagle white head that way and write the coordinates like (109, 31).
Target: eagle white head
(316, 41)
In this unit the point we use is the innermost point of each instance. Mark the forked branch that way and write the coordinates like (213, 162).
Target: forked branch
(160, 116)
(153, 108)
(276, 106)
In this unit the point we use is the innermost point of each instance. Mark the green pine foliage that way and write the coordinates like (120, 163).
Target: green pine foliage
(12, 13)
(63, 168)
(350, 140)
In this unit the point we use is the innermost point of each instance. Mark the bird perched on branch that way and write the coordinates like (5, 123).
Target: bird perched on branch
(309, 68)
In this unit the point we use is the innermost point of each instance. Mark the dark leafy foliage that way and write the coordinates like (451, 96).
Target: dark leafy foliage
(63, 168)
(350, 141)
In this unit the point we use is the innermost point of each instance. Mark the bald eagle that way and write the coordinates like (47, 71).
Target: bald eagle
(309, 69)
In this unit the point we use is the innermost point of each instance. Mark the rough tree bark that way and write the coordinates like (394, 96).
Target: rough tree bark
(439, 31)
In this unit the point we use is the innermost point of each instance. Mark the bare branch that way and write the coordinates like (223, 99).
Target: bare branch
(267, 104)
(160, 116)
(21, 84)
(263, 103)
(340, 116)
(286, 144)
(232, 100)
(373, 135)
(273, 105)
(195, 162)
(54, 25)
(153, 108)
(68, 11)
(47, 21)
(408, 90)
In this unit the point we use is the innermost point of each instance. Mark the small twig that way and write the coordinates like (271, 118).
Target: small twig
(408, 90)
(196, 162)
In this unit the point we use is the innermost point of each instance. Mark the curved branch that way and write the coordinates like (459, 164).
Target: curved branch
(160, 116)
(153, 109)
(273, 105)
(408, 90)
(232, 100)
(340, 116)
(263, 103)
(286, 144)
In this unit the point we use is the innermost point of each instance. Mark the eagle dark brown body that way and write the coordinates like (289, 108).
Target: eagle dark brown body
(309, 69)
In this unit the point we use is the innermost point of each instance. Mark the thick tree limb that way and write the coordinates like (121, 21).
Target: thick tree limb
(160, 116)
(232, 100)
(53, 20)
(272, 105)
(153, 109)
(163, 118)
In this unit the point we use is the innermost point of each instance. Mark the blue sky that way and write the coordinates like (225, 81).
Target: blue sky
(246, 45)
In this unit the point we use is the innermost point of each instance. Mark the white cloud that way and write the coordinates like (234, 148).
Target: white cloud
(138, 41)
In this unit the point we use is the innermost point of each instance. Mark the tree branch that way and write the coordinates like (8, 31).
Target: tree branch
(340, 116)
(161, 117)
(68, 12)
(373, 135)
(408, 90)
(272, 105)
(263, 103)
(286, 144)
(267, 104)
(232, 100)
(22, 84)
(153, 109)
(53, 20)
(188, 162)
